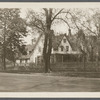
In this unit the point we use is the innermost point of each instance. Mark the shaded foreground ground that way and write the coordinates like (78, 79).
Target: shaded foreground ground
(44, 82)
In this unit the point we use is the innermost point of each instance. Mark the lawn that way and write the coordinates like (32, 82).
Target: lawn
(39, 82)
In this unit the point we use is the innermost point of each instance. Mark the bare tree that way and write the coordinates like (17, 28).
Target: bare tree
(43, 23)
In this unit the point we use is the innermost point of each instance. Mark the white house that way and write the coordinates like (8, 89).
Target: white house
(33, 51)
(61, 46)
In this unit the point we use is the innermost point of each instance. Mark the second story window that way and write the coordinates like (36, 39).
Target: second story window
(39, 49)
(21, 61)
(62, 48)
(25, 60)
(67, 48)
(64, 40)
(29, 52)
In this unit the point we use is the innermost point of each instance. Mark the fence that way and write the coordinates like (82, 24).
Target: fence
(59, 67)
(76, 66)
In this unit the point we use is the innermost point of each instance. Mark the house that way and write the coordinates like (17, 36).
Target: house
(62, 47)
(33, 51)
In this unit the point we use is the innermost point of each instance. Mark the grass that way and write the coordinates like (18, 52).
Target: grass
(73, 69)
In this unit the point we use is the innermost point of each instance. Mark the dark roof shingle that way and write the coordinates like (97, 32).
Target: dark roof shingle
(57, 40)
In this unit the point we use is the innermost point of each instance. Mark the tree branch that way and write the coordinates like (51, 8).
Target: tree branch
(88, 29)
(56, 15)
(74, 20)
(64, 21)
(37, 27)
(33, 23)
(68, 12)
(37, 19)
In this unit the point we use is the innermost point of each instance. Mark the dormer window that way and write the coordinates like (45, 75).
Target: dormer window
(67, 48)
(62, 48)
(64, 40)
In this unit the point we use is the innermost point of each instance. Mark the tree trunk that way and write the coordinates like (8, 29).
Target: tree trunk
(4, 47)
(91, 55)
(4, 54)
(84, 61)
(48, 41)
(4, 60)
(49, 50)
(45, 53)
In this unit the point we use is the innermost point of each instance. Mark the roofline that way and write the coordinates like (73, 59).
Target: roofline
(70, 43)
(61, 39)
(36, 44)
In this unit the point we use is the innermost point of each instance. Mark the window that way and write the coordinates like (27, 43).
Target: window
(39, 49)
(39, 59)
(67, 48)
(64, 40)
(25, 60)
(56, 49)
(62, 48)
(21, 61)
(29, 52)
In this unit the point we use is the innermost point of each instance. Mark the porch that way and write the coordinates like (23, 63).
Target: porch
(65, 58)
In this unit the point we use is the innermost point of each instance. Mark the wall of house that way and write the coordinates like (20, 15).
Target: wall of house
(64, 49)
(37, 51)
(18, 61)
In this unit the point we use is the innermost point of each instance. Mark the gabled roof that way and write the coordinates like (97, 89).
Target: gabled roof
(55, 44)
(72, 43)
(34, 46)
(57, 40)
(30, 48)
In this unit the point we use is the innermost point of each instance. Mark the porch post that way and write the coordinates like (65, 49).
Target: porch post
(62, 59)
(54, 58)
(36, 61)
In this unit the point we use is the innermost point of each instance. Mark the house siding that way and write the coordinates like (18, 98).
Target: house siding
(36, 52)
(64, 45)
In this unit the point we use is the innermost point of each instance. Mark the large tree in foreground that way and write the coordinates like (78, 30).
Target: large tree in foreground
(78, 20)
(43, 23)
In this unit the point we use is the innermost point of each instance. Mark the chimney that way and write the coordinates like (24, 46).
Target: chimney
(69, 34)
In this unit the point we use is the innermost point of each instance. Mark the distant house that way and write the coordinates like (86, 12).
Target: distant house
(33, 51)
(61, 48)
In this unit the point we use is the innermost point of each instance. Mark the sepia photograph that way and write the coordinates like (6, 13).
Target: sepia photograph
(49, 47)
